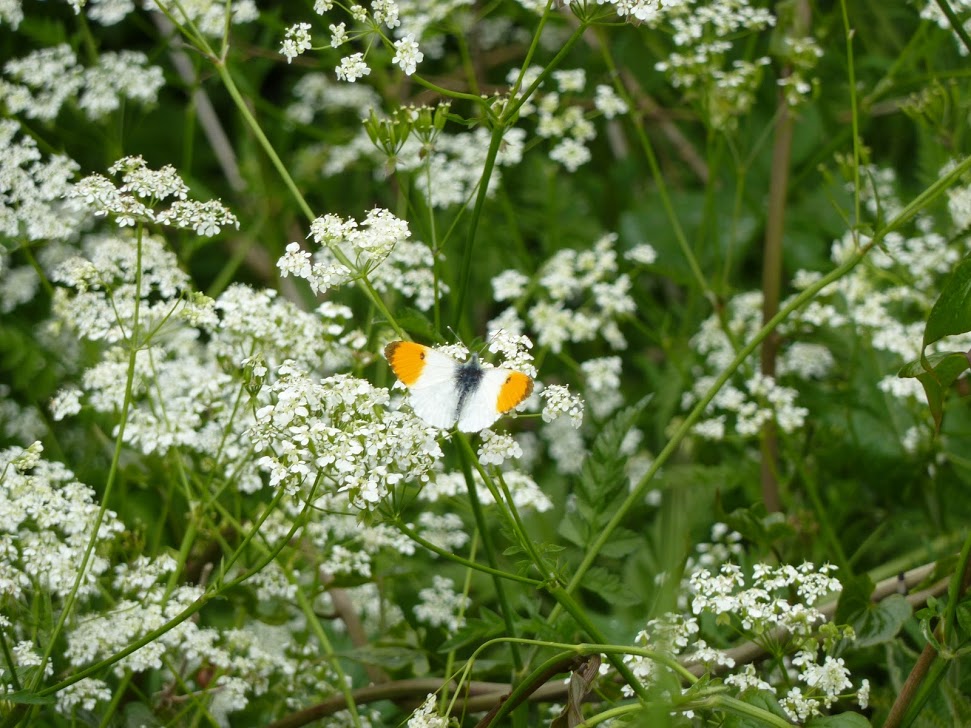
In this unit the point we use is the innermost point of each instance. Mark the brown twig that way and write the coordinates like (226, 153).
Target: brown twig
(487, 695)
(772, 267)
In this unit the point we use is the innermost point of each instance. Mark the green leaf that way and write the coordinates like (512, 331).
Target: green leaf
(843, 720)
(944, 369)
(854, 599)
(952, 311)
(417, 324)
(623, 542)
(608, 586)
(881, 622)
(26, 697)
(964, 617)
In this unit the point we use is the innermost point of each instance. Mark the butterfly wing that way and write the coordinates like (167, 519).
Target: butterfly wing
(499, 391)
(430, 378)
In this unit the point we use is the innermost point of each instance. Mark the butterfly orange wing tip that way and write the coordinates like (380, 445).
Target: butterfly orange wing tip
(514, 390)
(407, 359)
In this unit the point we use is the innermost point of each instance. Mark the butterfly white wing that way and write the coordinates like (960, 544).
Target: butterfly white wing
(434, 396)
(480, 410)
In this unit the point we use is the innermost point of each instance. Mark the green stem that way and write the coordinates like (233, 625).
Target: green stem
(487, 546)
(133, 347)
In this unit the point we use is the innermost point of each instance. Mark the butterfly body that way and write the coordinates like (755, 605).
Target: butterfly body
(446, 392)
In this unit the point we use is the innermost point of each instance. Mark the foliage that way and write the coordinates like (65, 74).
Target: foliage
(727, 241)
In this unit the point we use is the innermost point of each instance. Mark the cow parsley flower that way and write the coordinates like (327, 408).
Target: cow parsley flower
(559, 402)
(352, 67)
(407, 55)
(296, 41)
(441, 605)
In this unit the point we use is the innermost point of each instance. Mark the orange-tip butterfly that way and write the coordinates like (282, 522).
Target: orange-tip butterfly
(445, 392)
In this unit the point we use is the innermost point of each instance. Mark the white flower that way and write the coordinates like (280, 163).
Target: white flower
(607, 102)
(508, 285)
(570, 153)
(352, 67)
(425, 715)
(296, 41)
(338, 35)
(407, 55)
(642, 253)
(559, 402)
(441, 605)
(497, 448)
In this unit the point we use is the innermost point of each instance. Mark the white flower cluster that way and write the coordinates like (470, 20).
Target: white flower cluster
(296, 41)
(141, 188)
(48, 517)
(31, 205)
(579, 296)
(441, 605)
(801, 55)
(701, 64)
(561, 402)
(379, 247)
(340, 429)
(746, 408)
(560, 120)
(43, 81)
(763, 612)
(426, 716)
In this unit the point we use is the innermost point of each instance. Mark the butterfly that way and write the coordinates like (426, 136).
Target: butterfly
(445, 392)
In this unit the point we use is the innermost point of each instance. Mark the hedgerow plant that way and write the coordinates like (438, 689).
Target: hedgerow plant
(727, 240)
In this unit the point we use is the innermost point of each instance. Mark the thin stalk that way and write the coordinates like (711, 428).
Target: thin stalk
(448, 555)
(133, 347)
(490, 552)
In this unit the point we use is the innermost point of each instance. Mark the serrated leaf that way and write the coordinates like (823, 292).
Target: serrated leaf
(937, 373)
(609, 587)
(952, 311)
(603, 479)
(842, 720)
(572, 528)
(623, 542)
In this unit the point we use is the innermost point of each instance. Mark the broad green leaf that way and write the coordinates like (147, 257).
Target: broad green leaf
(952, 311)
(759, 699)
(854, 599)
(881, 622)
(842, 720)
(943, 369)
